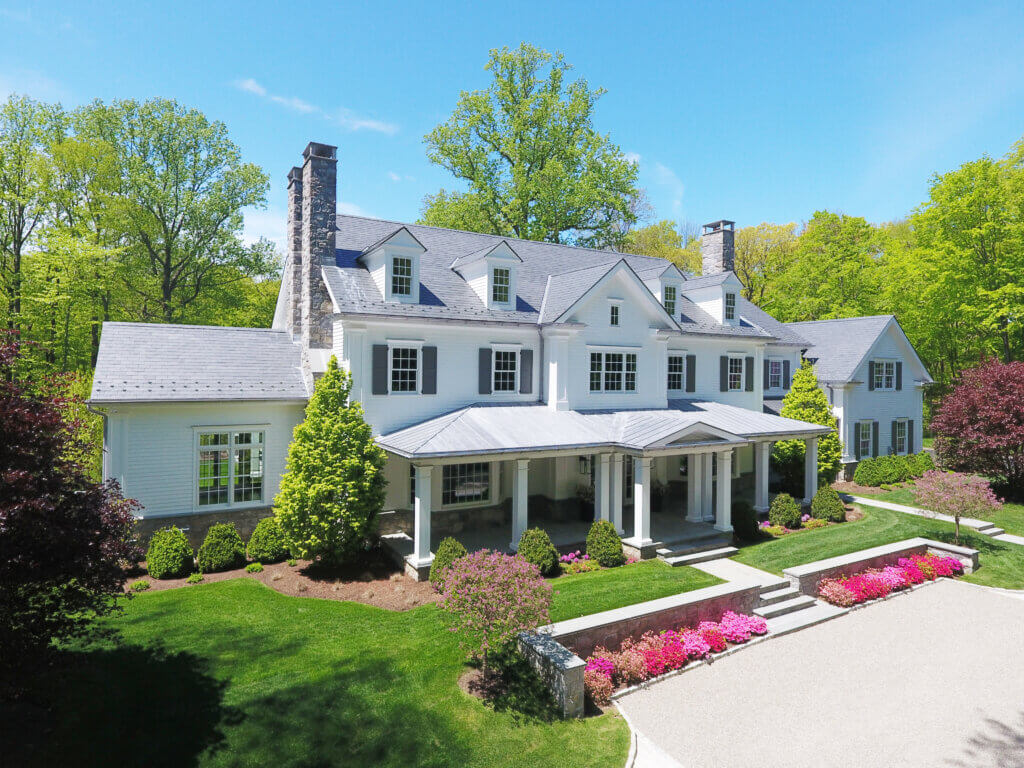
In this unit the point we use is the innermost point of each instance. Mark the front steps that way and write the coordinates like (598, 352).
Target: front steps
(989, 530)
(781, 608)
(710, 546)
(703, 556)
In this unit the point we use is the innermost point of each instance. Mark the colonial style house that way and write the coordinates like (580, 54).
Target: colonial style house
(512, 383)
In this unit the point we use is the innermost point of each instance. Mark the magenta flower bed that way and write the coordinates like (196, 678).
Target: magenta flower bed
(875, 583)
(655, 654)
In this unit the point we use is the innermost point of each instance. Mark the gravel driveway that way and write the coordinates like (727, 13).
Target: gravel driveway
(935, 677)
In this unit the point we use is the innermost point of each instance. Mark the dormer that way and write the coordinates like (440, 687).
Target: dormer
(394, 264)
(718, 295)
(665, 282)
(492, 274)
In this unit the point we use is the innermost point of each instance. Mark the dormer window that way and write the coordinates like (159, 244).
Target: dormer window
(670, 300)
(730, 306)
(401, 276)
(501, 283)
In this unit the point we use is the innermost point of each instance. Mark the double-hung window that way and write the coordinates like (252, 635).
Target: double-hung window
(774, 374)
(506, 372)
(676, 372)
(229, 467)
(730, 306)
(670, 299)
(501, 284)
(405, 369)
(401, 276)
(465, 483)
(899, 439)
(885, 374)
(735, 374)
(613, 372)
(864, 441)
(613, 314)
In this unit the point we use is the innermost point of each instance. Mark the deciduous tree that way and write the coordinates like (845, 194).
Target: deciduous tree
(955, 494)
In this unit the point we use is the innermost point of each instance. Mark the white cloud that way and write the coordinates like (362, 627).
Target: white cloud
(30, 83)
(667, 179)
(633, 157)
(394, 176)
(351, 209)
(345, 118)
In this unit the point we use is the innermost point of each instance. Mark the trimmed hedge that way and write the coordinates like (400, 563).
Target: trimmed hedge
(222, 549)
(535, 545)
(267, 543)
(826, 505)
(448, 551)
(784, 511)
(885, 470)
(744, 521)
(169, 554)
(604, 545)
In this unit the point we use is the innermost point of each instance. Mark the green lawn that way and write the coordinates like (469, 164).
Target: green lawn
(1002, 564)
(584, 593)
(236, 674)
(1010, 518)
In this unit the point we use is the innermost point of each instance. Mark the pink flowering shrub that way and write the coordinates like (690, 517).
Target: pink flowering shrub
(630, 666)
(573, 557)
(602, 663)
(695, 645)
(738, 627)
(874, 583)
(835, 592)
(712, 634)
(598, 686)
(654, 662)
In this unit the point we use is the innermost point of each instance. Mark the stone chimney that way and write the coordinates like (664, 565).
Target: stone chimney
(718, 247)
(319, 194)
(293, 267)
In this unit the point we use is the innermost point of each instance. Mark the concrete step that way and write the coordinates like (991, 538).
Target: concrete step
(693, 546)
(786, 606)
(700, 557)
(993, 532)
(778, 595)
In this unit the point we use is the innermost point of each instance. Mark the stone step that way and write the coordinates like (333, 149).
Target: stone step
(692, 547)
(700, 557)
(993, 531)
(778, 595)
(786, 606)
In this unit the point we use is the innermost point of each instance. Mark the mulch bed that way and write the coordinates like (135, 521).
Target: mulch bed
(374, 581)
(848, 486)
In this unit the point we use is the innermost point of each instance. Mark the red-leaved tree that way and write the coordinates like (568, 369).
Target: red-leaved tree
(979, 426)
(63, 537)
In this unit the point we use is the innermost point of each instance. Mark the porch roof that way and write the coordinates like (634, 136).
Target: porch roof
(534, 428)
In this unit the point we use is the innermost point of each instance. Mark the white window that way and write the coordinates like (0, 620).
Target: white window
(670, 299)
(501, 284)
(404, 374)
(401, 276)
(730, 306)
(864, 438)
(465, 483)
(505, 371)
(612, 372)
(613, 314)
(900, 438)
(735, 374)
(676, 372)
(885, 374)
(229, 467)
(774, 374)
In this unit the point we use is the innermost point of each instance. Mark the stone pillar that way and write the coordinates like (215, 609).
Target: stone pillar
(810, 469)
(694, 493)
(642, 500)
(615, 490)
(421, 555)
(319, 212)
(293, 319)
(602, 497)
(723, 518)
(762, 453)
(520, 496)
(707, 488)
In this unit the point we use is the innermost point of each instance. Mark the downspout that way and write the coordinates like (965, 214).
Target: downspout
(541, 378)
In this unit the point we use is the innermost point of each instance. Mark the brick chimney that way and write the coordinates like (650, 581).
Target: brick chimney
(718, 247)
(319, 194)
(293, 319)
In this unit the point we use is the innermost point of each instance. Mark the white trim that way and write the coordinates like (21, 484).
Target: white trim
(728, 372)
(906, 436)
(515, 349)
(197, 431)
(394, 344)
(670, 353)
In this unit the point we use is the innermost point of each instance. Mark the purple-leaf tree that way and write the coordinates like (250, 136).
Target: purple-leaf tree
(957, 495)
(490, 597)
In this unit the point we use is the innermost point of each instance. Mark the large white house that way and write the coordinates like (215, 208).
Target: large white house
(512, 383)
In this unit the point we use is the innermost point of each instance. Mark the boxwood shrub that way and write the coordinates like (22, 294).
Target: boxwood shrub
(886, 470)
(267, 543)
(744, 521)
(169, 555)
(448, 551)
(826, 505)
(604, 545)
(784, 511)
(922, 463)
(535, 545)
(222, 549)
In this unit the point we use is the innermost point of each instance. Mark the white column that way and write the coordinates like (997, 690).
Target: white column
(421, 517)
(706, 487)
(694, 476)
(520, 494)
(810, 469)
(762, 452)
(723, 522)
(602, 507)
(642, 500)
(615, 492)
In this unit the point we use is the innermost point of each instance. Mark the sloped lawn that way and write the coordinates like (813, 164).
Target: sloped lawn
(235, 674)
(1002, 564)
(1010, 518)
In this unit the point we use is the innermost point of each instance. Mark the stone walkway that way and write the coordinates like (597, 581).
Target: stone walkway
(981, 526)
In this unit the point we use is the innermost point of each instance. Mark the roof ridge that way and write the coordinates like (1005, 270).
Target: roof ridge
(841, 319)
(136, 323)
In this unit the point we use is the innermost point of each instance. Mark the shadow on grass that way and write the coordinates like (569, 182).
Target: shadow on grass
(514, 687)
(125, 706)
(996, 743)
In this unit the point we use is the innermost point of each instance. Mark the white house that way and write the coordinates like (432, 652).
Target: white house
(509, 381)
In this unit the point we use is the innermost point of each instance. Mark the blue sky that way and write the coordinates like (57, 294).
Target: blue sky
(748, 111)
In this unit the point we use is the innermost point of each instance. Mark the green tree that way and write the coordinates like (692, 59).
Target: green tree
(333, 486)
(806, 401)
(762, 254)
(534, 165)
(663, 240)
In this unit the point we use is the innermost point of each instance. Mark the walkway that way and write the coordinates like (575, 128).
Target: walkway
(980, 526)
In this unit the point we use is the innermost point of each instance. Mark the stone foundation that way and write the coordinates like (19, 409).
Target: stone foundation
(196, 526)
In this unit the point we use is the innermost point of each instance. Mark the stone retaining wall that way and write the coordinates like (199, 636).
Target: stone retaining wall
(196, 526)
(559, 668)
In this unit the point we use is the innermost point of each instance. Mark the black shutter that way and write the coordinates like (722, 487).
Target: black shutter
(429, 371)
(910, 436)
(767, 380)
(871, 374)
(380, 369)
(899, 376)
(893, 440)
(786, 383)
(526, 371)
(691, 373)
(750, 374)
(485, 370)
(723, 374)
(874, 438)
(856, 441)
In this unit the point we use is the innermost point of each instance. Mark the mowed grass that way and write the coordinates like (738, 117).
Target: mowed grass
(1002, 564)
(236, 674)
(1010, 517)
(584, 593)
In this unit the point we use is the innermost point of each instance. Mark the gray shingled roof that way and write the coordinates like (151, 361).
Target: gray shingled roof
(783, 333)
(491, 429)
(445, 295)
(706, 281)
(484, 252)
(565, 289)
(145, 362)
(840, 345)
